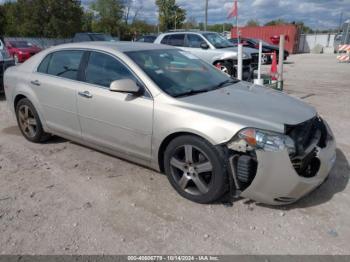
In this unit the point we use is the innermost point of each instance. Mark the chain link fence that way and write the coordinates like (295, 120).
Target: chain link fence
(41, 42)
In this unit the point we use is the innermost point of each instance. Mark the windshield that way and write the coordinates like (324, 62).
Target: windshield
(101, 37)
(217, 40)
(21, 44)
(179, 73)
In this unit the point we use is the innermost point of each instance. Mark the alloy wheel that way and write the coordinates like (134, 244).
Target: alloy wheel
(191, 169)
(27, 121)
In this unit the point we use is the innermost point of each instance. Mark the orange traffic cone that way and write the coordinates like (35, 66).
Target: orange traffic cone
(273, 71)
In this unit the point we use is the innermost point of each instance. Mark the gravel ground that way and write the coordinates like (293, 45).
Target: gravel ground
(63, 198)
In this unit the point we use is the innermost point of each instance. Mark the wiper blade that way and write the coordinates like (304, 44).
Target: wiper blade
(226, 82)
(192, 92)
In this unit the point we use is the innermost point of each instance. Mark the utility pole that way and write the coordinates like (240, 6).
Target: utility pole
(206, 15)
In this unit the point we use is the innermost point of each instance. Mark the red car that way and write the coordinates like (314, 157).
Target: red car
(21, 50)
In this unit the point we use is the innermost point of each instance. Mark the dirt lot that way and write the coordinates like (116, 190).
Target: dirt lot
(63, 198)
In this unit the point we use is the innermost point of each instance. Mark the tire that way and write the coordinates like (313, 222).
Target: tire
(226, 67)
(202, 177)
(29, 122)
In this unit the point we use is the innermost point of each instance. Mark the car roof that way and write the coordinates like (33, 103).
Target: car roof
(121, 46)
(190, 32)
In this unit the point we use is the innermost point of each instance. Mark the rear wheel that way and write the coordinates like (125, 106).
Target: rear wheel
(196, 169)
(29, 122)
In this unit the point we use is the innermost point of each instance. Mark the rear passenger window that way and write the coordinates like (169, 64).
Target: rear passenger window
(103, 69)
(65, 64)
(44, 65)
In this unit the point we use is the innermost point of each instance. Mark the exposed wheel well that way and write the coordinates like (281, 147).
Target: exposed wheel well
(164, 145)
(17, 99)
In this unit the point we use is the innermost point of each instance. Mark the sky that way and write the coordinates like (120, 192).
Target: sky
(318, 14)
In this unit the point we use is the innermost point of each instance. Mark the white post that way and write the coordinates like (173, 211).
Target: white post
(280, 63)
(259, 81)
(240, 62)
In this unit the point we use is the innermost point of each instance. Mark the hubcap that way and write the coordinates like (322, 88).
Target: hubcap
(191, 169)
(27, 121)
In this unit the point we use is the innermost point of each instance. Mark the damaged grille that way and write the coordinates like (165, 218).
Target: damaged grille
(307, 136)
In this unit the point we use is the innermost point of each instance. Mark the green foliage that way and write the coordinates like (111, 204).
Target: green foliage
(2, 19)
(253, 22)
(44, 18)
(277, 22)
(109, 16)
(219, 27)
(169, 12)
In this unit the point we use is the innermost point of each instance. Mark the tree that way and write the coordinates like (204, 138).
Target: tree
(276, 22)
(219, 27)
(44, 18)
(253, 22)
(191, 23)
(2, 20)
(109, 16)
(64, 18)
(169, 12)
(87, 20)
(130, 8)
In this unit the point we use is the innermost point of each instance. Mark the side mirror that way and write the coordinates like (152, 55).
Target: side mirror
(204, 45)
(125, 86)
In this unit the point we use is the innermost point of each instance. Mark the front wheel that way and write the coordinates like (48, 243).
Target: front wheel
(196, 169)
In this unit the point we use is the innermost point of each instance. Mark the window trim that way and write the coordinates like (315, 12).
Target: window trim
(83, 64)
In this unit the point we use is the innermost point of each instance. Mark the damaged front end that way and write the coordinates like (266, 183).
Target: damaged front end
(274, 168)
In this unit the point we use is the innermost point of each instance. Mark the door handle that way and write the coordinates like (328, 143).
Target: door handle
(35, 82)
(85, 94)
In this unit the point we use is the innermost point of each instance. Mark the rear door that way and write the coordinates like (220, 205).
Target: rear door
(117, 121)
(55, 85)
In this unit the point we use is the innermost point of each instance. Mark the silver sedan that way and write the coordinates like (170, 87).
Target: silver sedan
(164, 108)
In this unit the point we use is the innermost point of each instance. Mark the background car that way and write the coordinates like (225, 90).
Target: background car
(6, 61)
(214, 49)
(147, 38)
(266, 48)
(21, 50)
(90, 37)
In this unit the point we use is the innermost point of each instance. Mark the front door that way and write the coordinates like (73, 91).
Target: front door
(117, 121)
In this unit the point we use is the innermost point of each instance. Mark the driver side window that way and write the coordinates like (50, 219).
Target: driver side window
(102, 70)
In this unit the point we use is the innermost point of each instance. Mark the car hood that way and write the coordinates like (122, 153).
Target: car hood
(246, 50)
(251, 105)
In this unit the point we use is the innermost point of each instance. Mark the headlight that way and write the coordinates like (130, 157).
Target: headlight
(264, 140)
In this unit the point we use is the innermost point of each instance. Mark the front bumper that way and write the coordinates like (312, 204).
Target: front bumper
(276, 181)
